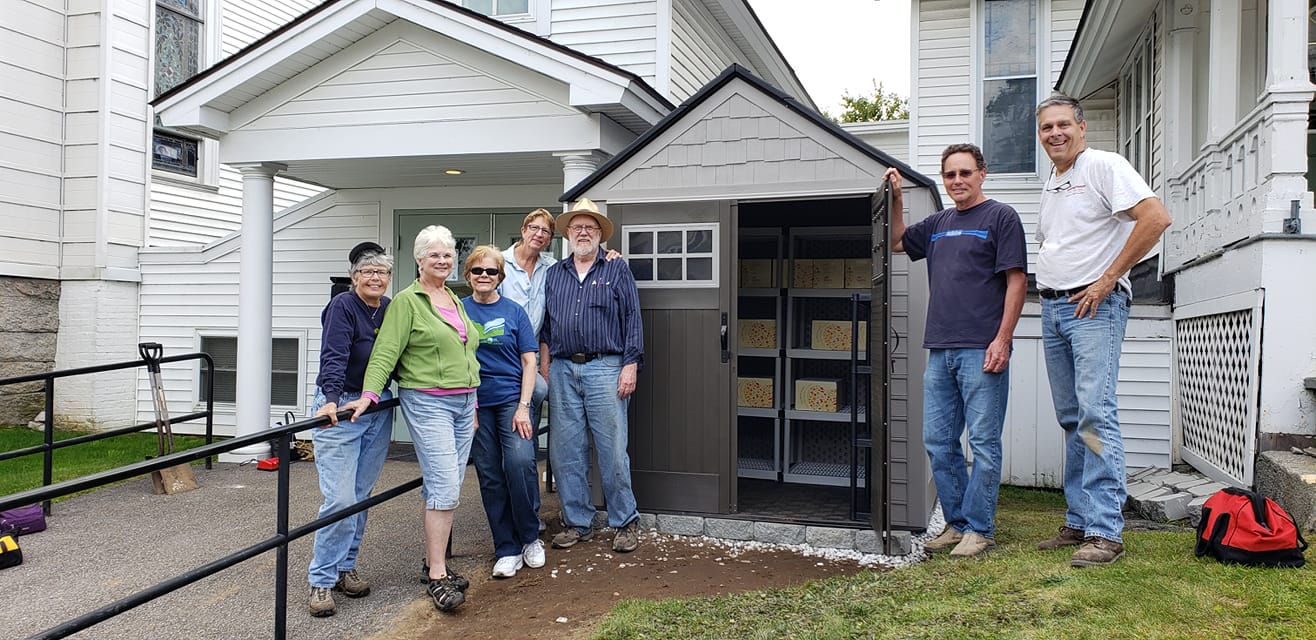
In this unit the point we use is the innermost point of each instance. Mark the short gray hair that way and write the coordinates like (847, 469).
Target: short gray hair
(1061, 100)
(372, 259)
(431, 235)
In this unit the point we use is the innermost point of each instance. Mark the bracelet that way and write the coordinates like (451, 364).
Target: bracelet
(524, 404)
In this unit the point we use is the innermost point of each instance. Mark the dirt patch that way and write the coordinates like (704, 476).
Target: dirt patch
(578, 586)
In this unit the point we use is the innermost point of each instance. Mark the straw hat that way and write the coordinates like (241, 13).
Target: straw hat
(586, 207)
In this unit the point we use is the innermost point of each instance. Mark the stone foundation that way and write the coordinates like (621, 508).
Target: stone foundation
(29, 324)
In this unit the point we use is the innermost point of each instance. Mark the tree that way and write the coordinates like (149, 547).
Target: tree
(883, 105)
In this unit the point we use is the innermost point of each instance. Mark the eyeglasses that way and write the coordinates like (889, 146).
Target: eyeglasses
(479, 271)
(577, 228)
(963, 174)
(1063, 186)
(436, 255)
(535, 229)
(375, 273)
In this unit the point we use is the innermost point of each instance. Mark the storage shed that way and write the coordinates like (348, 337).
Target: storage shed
(755, 228)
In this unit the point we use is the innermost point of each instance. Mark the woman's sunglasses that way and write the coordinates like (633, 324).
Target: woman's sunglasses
(477, 271)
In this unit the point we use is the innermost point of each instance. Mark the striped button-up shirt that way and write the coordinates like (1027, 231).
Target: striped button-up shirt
(600, 314)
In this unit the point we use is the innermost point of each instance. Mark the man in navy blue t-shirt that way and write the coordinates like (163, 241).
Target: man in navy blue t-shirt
(976, 271)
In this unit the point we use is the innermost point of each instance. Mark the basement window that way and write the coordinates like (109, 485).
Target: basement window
(285, 370)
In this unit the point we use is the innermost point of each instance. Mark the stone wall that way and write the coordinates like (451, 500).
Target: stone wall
(29, 324)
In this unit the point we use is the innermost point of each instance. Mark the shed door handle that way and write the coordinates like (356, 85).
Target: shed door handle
(726, 354)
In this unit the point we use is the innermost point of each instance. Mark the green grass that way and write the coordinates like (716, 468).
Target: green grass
(1158, 590)
(21, 474)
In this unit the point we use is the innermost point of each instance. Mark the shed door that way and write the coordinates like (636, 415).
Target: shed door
(681, 414)
(879, 348)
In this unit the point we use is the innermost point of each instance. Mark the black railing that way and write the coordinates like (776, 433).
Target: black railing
(283, 535)
(50, 445)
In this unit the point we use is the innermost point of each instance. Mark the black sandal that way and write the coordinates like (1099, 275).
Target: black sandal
(445, 592)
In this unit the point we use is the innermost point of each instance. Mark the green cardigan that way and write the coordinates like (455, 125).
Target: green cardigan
(424, 348)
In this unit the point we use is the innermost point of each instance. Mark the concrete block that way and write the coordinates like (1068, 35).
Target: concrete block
(726, 529)
(1195, 509)
(1205, 489)
(1290, 480)
(1141, 473)
(902, 543)
(865, 541)
(1177, 479)
(1168, 507)
(648, 522)
(680, 525)
(1156, 476)
(1141, 487)
(1148, 494)
(776, 533)
(829, 537)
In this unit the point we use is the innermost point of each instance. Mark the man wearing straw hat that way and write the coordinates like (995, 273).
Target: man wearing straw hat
(595, 344)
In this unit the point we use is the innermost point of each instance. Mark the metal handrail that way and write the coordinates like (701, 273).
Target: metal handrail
(49, 446)
(279, 541)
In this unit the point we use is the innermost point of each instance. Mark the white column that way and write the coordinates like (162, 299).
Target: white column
(1180, 57)
(1222, 108)
(255, 306)
(1286, 52)
(576, 166)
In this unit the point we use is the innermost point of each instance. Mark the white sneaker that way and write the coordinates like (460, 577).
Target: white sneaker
(533, 554)
(506, 566)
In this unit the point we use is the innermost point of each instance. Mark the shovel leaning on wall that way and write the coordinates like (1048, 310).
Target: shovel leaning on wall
(178, 478)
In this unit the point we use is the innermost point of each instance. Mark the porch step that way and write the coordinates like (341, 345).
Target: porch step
(1289, 478)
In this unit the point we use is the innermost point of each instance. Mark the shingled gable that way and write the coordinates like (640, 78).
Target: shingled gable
(650, 148)
(202, 104)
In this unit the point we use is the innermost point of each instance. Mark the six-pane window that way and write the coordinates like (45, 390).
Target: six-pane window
(670, 254)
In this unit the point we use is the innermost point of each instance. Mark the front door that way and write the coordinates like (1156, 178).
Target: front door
(682, 414)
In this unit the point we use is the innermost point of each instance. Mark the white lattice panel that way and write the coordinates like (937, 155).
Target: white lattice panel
(1218, 356)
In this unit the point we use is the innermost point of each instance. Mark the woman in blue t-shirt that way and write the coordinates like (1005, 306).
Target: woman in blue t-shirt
(504, 446)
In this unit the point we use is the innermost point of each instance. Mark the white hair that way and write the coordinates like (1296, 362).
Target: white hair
(372, 259)
(432, 235)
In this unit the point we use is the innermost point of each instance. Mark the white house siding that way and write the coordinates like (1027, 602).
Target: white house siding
(701, 49)
(622, 32)
(32, 58)
(191, 291)
(184, 213)
(890, 136)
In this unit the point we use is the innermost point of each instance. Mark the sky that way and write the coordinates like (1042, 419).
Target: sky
(840, 46)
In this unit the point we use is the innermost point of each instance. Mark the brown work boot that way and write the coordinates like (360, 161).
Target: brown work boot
(1096, 552)
(1066, 537)
(972, 545)
(627, 538)
(351, 585)
(948, 539)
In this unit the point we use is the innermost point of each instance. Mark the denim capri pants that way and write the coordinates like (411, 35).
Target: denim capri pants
(442, 428)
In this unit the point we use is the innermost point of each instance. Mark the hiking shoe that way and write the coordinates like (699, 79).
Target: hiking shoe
(947, 540)
(627, 538)
(462, 583)
(321, 602)
(1065, 537)
(533, 554)
(351, 584)
(507, 566)
(1096, 552)
(445, 592)
(972, 545)
(570, 536)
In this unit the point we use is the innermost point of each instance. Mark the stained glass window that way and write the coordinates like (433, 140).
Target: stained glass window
(177, 42)
(174, 153)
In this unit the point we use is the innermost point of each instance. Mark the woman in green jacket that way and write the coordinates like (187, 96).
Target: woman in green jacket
(431, 342)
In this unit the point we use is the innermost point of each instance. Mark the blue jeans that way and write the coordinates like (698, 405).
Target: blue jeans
(1082, 362)
(584, 403)
(958, 394)
(441, 430)
(348, 457)
(509, 481)
(537, 398)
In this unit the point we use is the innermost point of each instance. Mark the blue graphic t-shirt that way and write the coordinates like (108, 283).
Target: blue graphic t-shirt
(504, 333)
(968, 254)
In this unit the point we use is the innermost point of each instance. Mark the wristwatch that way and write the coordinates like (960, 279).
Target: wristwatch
(524, 404)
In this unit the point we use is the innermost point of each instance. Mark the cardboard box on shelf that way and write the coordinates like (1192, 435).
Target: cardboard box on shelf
(858, 273)
(819, 394)
(834, 335)
(757, 334)
(755, 392)
(758, 273)
(829, 274)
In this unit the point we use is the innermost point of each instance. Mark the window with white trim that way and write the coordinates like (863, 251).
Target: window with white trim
(1009, 85)
(1135, 106)
(672, 255)
(285, 370)
(180, 33)
(531, 15)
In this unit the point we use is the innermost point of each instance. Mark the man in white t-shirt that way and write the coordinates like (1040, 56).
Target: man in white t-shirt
(1098, 218)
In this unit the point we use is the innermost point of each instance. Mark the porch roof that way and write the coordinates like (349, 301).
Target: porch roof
(202, 104)
(1106, 33)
